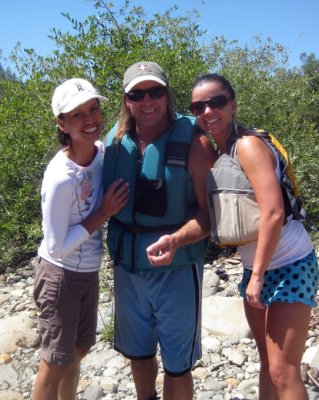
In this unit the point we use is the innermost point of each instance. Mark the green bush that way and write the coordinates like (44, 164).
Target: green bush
(270, 96)
(107, 333)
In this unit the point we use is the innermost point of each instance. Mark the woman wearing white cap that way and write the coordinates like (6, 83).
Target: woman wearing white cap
(73, 208)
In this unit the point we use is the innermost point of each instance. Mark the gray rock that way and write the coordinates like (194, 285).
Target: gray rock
(92, 392)
(10, 395)
(249, 386)
(238, 358)
(8, 374)
(206, 395)
(4, 297)
(225, 316)
(228, 369)
(311, 356)
(210, 283)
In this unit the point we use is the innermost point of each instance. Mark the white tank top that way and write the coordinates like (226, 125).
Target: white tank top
(294, 243)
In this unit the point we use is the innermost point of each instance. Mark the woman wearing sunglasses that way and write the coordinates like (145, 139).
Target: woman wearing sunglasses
(280, 277)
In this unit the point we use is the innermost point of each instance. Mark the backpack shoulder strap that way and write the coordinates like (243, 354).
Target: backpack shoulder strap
(288, 183)
(238, 132)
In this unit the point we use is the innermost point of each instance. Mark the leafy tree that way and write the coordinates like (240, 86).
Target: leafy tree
(310, 70)
(100, 48)
(25, 143)
(6, 74)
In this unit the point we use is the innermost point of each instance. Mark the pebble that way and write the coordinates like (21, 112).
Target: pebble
(228, 369)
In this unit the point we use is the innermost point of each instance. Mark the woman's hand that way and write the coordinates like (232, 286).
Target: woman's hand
(253, 291)
(115, 198)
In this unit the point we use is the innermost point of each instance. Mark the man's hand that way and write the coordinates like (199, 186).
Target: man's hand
(161, 252)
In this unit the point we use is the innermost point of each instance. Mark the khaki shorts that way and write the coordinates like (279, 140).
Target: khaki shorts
(67, 302)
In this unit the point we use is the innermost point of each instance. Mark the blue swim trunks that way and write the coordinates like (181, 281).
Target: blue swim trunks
(161, 308)
(296, 282)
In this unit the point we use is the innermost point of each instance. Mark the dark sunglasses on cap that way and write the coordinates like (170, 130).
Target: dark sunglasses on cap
(154, 93)
(198, 107)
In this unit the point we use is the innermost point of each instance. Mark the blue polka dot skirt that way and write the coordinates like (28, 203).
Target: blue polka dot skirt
(296, 282)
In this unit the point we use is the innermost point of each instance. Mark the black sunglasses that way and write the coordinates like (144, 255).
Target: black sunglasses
(198, 107)
(155, 93)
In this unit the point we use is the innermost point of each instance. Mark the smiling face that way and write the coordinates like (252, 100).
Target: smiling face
(84, 124)
(149, 112)
(215, 121)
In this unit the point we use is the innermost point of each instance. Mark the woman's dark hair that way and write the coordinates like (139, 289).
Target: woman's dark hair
(216, 78)
(64, 138)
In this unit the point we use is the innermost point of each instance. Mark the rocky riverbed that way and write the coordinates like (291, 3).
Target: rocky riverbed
(228, 369)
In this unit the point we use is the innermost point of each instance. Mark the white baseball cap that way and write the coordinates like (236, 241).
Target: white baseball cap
(71, 94)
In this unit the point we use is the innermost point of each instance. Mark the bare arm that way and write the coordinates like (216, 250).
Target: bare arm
(201, 158)
(259, 164)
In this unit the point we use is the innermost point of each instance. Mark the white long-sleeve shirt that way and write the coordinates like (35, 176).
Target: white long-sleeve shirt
(69, 194)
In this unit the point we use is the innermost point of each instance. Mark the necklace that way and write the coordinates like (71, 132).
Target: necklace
(141, 145)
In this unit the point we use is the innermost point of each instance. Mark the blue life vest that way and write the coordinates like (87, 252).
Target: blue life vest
(161, 196)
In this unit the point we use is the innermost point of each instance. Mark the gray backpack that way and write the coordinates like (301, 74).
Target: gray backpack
(234, 212)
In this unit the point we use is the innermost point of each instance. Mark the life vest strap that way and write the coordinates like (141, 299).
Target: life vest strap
(135, 229)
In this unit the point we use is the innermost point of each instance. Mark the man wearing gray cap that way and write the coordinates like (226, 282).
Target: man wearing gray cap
(157, 241)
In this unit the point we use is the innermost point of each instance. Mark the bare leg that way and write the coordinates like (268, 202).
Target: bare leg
(144, 375)
(69, 383)
(70, 380)
(286, 333)
(280, 333)
(58, 381)
(47, 381)
(257, 322)
(178, 388)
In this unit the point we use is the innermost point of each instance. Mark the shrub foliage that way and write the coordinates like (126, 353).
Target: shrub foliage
(100, 48)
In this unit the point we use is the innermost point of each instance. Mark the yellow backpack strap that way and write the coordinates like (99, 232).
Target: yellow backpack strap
(292, 199)
(289, 171)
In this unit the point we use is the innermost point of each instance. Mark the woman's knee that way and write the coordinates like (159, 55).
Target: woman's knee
(81, 352)
(282, 375)
(52, 373)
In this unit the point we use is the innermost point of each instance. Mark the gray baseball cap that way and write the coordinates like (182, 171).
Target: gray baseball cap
(143, 71)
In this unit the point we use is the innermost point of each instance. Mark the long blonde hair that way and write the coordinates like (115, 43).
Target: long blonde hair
(126, 122)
